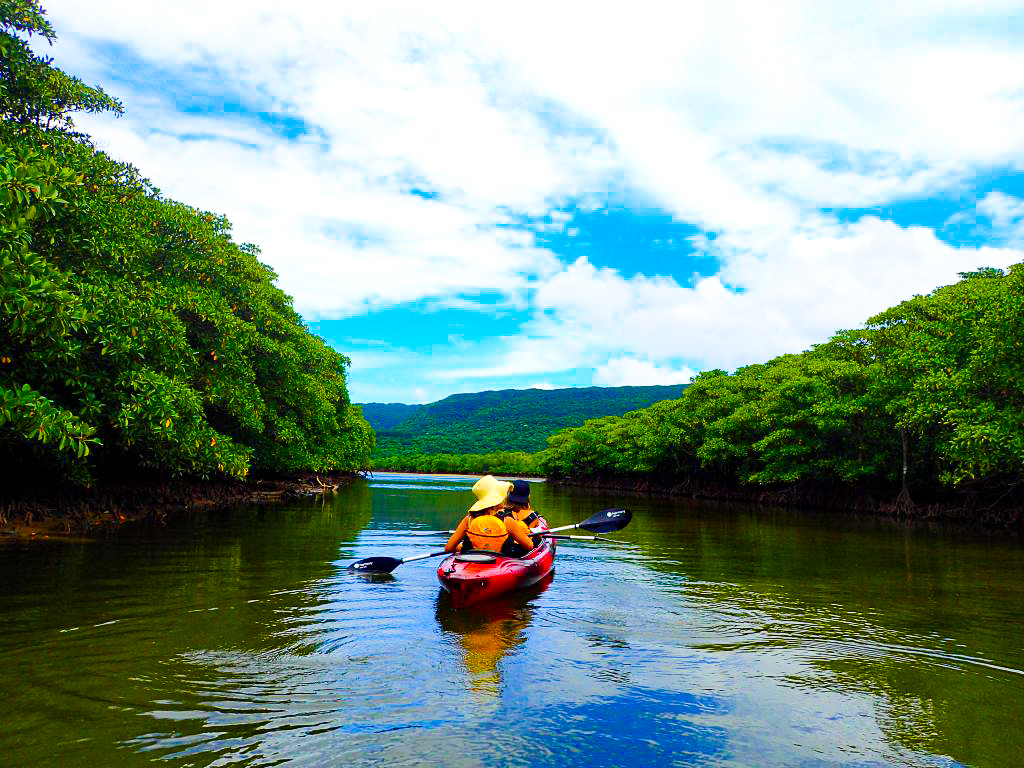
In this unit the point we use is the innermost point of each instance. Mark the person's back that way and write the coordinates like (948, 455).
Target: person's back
(486, 530)
(519, 515)
(484, 527)
(519, 532)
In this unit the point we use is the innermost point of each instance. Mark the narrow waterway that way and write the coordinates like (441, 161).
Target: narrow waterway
(720, 636)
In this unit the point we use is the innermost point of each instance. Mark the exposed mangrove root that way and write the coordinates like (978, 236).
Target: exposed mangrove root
(1006, 511)
(904, 505)
(32, 510)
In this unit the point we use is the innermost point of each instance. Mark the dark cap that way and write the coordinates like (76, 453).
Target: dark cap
(520, 493)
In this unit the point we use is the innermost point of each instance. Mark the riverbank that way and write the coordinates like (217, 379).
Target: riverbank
(1004, 512)
(33, 511)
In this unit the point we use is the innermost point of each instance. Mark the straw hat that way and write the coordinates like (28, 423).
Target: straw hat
(489, 491)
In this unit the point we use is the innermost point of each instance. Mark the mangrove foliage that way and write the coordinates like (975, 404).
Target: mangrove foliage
(134, 332)
(923, 404)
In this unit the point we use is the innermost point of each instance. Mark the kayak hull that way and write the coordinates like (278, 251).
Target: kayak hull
(471, 578)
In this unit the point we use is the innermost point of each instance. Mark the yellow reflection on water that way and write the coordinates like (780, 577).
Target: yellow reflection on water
(485, 633)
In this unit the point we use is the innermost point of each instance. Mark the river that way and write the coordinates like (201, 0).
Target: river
(719, 636)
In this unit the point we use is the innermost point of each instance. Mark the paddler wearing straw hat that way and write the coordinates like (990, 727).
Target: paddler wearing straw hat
(483, 529)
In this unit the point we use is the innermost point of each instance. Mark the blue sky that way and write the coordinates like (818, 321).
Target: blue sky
(466, 196)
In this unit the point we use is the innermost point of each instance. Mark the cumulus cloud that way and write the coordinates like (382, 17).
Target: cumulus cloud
(1006, 214)
(427, 133)
(760, 305)
(628, 371)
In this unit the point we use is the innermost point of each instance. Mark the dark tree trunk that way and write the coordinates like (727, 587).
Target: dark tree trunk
(904, 504)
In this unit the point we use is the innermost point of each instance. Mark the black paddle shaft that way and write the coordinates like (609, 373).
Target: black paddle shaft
(605, 521)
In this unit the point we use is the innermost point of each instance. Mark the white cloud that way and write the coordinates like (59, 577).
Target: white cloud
(743, 119)
(1007, 215)
(628, 371)
(338, 242)
(792, 296)
(514, 356)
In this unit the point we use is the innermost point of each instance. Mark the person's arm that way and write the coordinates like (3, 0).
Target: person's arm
(520, 533)
(460, 531)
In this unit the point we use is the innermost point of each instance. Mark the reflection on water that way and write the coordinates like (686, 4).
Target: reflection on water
(725, 636)
(486, 632)
(407, 482)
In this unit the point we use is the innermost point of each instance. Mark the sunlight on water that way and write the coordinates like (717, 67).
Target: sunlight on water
(719, 636)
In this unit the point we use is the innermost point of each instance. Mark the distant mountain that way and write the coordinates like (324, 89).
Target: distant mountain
(502, 420)
(387, 415)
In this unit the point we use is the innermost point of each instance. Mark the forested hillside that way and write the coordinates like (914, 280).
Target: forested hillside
(925, 404)
(384, 416)
(134, 333)
(504, 420)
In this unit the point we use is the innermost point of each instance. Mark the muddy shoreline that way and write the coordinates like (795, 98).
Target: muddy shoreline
(35, 511)
(1006, 512)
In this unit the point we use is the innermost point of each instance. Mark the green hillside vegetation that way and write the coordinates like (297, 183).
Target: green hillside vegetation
(924, 404)
(134, 333)
(508, 463)
(384, 416)
(508, 420)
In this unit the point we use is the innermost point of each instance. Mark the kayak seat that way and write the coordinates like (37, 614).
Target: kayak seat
(477, 556)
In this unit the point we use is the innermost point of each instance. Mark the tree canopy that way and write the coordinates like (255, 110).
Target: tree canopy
(927, 398)
(134, 332)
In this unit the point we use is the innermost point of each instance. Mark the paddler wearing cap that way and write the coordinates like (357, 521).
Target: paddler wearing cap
(517, 504)
(483, 529)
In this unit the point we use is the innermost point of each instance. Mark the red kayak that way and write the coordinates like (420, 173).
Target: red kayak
(476, 576)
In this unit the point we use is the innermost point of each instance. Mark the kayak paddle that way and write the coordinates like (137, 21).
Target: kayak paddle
(583, 538)
(387, 564)
(605, 521)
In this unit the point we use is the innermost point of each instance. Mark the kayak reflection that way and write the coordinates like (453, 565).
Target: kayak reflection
(485, 632)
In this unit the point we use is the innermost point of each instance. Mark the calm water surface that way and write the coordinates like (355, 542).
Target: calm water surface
(721, 636)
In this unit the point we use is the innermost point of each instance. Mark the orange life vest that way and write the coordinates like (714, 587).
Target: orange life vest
(528, 516)
(487, 531)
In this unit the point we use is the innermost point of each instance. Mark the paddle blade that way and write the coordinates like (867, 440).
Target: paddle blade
(375, 565)
(607, 520)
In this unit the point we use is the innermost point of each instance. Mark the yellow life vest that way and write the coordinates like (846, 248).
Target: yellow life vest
(487, 532)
